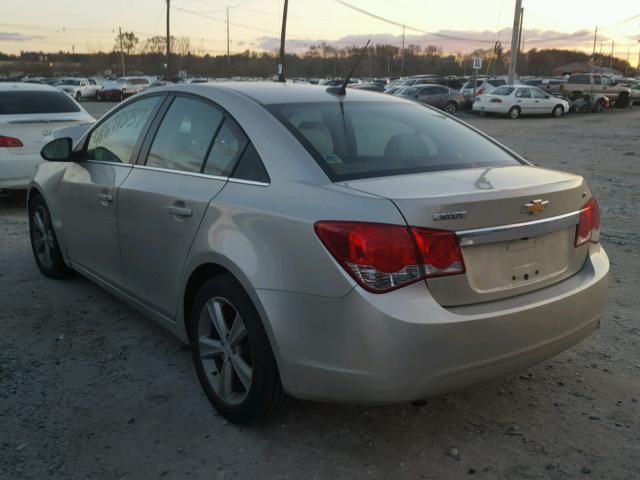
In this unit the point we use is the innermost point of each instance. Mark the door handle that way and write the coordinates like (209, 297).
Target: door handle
(105, 198)
(180, 211)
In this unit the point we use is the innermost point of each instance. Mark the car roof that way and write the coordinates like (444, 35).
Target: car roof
(23, 86)
(268, 93)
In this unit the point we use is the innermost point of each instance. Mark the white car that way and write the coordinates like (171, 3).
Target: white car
(29, 116)
(79, 88)
(516, 100)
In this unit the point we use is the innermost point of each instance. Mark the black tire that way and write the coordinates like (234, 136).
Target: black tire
(121, 97)
(98, 97)
(265, 396)
(52, 264)
(622, 101)
(514, 113)
(558, 111)
(78, 97)
(451, 107)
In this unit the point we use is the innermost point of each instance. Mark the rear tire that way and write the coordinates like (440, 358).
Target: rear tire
(44, 243)
(237, 371)
(514, 113)
(558, 111)
(451, 107)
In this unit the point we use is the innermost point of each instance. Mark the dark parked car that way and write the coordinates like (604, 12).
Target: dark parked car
(436, 95)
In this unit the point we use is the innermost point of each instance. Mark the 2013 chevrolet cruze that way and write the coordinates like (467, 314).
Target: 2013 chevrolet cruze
(346, 247)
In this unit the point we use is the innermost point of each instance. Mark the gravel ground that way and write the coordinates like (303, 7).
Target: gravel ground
(89, 389)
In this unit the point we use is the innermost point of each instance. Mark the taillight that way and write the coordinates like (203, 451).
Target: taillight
(495, 100)
(383, 257)
(10, 142)
(588, 229)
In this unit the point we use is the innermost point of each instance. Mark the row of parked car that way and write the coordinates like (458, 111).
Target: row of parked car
(528, 96)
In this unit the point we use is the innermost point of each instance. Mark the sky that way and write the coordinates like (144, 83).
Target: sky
(91, 25)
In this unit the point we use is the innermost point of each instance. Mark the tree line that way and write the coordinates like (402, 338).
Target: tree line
(320, 60)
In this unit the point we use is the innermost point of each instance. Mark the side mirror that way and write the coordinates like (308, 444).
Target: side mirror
(58, 150)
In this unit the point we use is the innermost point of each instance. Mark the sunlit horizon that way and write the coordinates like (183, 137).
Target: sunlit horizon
(84, 26)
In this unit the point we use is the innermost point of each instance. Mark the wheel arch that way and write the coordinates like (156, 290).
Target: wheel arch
(207, 268)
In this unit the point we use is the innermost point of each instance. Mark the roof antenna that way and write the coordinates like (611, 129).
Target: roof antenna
(342, 89)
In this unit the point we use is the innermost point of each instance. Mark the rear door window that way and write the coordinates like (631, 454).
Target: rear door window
(185, 135)
(227, 147)
(523, 93)
(24, 102)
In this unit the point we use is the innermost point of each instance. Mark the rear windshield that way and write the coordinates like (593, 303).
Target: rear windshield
(26, 102)
(375, 139)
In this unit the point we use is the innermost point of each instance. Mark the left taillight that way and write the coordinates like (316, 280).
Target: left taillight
(588, 229)
(382, 257)
(10, 142)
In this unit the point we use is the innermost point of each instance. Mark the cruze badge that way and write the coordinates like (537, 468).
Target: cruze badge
(450, 215)
(534, 206)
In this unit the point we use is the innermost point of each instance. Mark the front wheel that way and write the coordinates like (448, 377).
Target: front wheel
(44, 243)
(598, 106)
(451, 107)
(514, 113)
(232, 355)
(558, 111)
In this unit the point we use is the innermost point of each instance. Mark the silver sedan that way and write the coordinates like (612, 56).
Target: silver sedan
(348, 247)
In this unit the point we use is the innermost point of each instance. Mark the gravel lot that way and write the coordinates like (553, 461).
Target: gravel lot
(89, 389)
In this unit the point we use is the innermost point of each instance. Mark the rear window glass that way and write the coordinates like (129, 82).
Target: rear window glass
(502, 91)
(374, 139)
(27, 102)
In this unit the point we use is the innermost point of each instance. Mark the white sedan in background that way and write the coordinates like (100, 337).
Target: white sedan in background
(29, 116)
(516, 100)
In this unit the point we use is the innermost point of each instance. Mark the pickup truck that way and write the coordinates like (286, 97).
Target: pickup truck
(592, 84)
(79, 88)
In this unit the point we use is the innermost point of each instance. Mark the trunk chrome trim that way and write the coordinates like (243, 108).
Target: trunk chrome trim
(514, 231)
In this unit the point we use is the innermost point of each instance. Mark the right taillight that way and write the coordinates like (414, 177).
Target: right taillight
(588, 229)
(383, 257)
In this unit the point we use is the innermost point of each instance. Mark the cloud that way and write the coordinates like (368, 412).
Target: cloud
(448, 40)
(17, 37)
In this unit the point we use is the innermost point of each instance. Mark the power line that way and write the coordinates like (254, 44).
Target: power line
(239, 25)
(407, 27)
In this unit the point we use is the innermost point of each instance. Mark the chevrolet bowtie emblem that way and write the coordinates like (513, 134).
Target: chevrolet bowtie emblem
(534, 206)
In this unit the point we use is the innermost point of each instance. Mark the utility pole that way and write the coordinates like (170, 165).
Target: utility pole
(520, 29)
(168, 41)
(595, 38)
(514, 42)
(402, 57)
(228, 49)
(613, 43)
(283, 35)
(121, 51)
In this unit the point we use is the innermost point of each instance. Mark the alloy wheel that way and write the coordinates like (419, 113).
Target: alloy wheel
(224, 350)
(43, 237)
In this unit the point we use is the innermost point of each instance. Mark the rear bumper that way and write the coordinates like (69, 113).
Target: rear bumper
(403, 346)
(16, 171)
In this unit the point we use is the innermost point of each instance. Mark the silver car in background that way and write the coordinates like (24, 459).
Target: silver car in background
(439, 96)
(348, 247)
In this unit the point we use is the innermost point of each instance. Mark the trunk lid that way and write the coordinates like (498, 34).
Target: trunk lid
(507, 249)
(36, 130)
